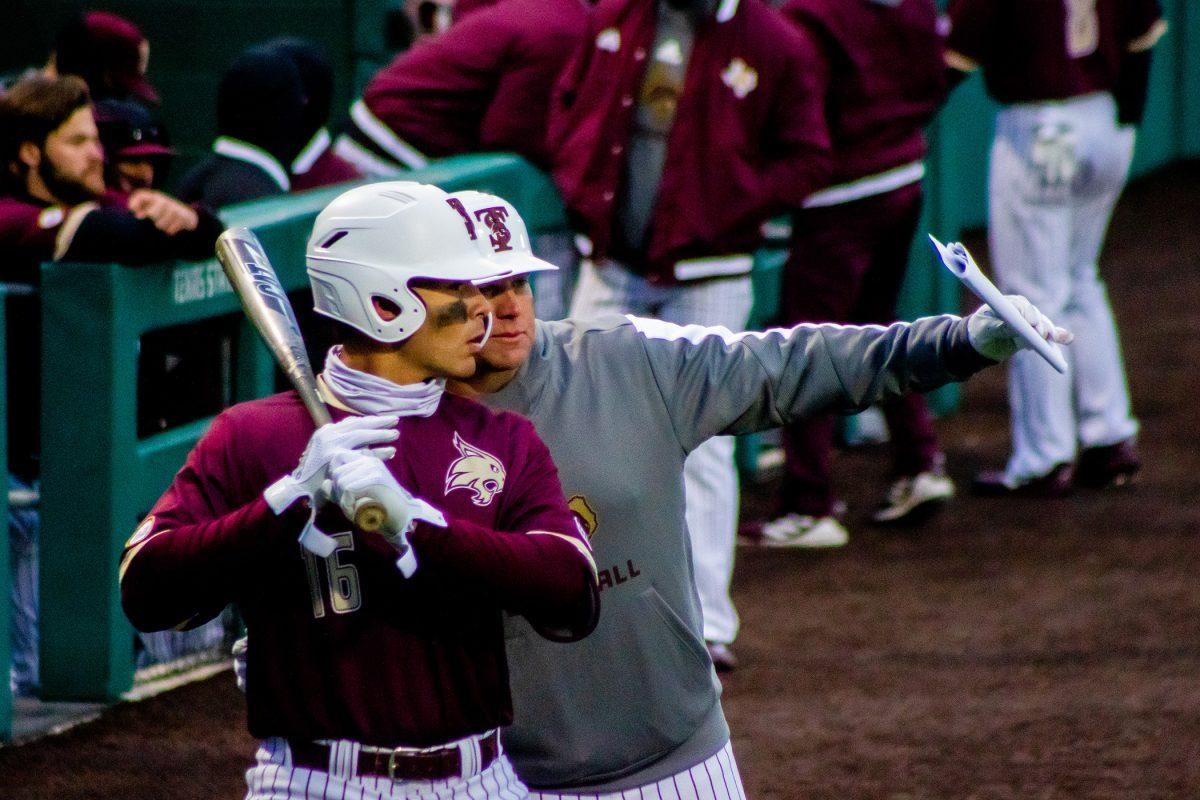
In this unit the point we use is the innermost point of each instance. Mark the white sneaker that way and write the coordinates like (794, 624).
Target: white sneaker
(911, 496)
(797, 530)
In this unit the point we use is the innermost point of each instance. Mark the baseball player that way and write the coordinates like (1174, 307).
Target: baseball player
(881, 73)
(1071, 78)
(678, 129)
(54, 206)
(633, 710)
(377, 667)
(484, 84)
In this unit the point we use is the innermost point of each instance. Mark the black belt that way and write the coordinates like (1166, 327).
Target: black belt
(401, 763)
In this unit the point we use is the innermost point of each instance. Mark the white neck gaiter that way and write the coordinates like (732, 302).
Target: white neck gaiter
(369, 394)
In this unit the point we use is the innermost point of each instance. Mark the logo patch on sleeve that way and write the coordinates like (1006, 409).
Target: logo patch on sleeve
(740, 77)
(585, 517)
(609, 39)
(476, 471)
(142, 532)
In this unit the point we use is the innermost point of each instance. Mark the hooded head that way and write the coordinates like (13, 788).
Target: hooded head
(109, 52)
(316, 78)
(261, 100)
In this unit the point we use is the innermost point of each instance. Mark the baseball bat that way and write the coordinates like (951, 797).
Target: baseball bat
(959, 261)
(267, 306)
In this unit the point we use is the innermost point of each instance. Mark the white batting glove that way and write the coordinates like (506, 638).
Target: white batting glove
(357, 477)
(353, 434)
(992, 337)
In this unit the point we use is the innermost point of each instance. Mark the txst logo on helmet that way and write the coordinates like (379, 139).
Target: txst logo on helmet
(477, 471)
(494, 218)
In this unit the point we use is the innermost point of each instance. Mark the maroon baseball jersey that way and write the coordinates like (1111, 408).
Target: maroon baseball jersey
(346, 647)
(883, 75)
(748, 139)
(1032, 50)
(484, 84)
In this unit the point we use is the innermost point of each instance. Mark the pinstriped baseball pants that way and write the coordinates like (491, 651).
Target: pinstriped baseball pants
(273, 777)
(715, 778)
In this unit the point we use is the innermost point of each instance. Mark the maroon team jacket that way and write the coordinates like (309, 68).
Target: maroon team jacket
(748, 140)
(883, 77)
(346, 647)
(484, 84)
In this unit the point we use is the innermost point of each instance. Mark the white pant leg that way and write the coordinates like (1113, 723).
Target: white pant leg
(715, 778)
(710, 475)
(1103, 409)
(611, 289)
(550, 288)
(1029, 236)
(24, 524)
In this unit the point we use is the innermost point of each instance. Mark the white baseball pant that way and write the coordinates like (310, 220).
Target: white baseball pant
(550, 288)
(1056, 172)
(715, 778)
(273, 777)
(710, 476)
(24, 524)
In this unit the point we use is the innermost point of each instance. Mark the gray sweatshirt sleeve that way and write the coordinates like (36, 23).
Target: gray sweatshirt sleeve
(717, 382)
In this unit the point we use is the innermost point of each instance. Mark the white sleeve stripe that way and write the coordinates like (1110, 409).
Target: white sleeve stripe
(386, 138)
(69, 227)
(1149, 38)
(956, 60)
(580, 545)
(669, 331)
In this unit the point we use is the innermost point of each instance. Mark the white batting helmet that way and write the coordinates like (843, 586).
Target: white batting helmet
(502, 230)
(372, 240)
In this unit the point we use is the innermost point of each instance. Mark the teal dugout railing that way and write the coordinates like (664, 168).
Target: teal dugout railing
(98, 476)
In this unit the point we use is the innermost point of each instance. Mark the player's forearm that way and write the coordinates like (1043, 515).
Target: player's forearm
(547, 577)
(179, 575)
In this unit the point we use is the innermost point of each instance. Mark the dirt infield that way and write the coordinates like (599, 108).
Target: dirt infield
(1006, 649)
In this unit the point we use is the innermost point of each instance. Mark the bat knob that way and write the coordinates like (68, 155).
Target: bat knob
(370, 516)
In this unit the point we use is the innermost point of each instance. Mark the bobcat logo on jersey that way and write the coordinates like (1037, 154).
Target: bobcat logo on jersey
(494, 218)
(476, 471)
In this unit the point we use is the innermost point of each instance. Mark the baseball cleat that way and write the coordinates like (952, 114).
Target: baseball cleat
(799, 530)
(914, 497)
(1055, 483)
(1109, 466)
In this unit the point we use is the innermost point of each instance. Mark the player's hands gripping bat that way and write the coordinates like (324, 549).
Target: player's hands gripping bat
(959, 261)
(354, 475)
(266, 304)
